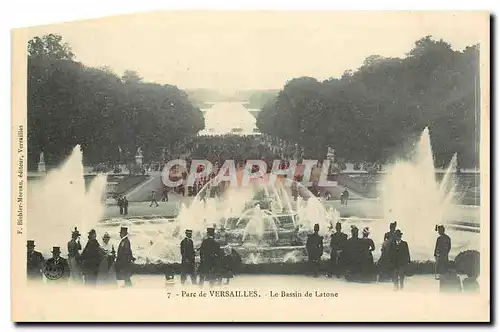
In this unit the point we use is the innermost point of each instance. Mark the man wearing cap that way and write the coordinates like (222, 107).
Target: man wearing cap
(210, 252)
(91, 259)
(188, 258)
(57, 268)
(74, 248)
(314, 246)
(442, 250)
(337, 245)
(124, 258)
(35, 262)
(399, 258)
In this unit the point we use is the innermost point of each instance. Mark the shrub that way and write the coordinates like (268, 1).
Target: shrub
(468, 262)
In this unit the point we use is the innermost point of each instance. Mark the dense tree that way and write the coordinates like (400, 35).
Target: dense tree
(49, 47)
(374, 112)
(69, 104)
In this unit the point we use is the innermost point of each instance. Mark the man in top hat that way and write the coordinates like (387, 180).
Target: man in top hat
(442, 250)
(314, 246)
(124, 258)
(57, 268)
(74, 248)
(188, 258)
(399, 258)
(337, 245)
(210, 252)
(35, 262)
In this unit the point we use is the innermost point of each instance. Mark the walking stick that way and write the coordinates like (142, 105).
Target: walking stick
(435, 269)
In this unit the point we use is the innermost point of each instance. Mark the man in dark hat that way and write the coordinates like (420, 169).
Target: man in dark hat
(210, 252)
(91, 259)
(337, 245)
(441, 251)
(124, 258)
(35, 262)
(74, 248)
(398, 255)
(188, 258)
(57, 268)
(314, 246)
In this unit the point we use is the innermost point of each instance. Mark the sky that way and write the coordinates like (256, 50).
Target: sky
(229, 51)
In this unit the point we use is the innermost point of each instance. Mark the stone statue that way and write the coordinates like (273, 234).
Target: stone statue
(41, 163)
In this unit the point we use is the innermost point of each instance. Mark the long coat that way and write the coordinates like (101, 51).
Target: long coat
(441, 252)
(210, 252)
(398, 255)
(314, 246)
(188, 256)
(124, 259)
(35, 265)
(91, 257)
(74, 248)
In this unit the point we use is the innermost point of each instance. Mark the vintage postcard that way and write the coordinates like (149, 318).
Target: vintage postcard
(239, 166)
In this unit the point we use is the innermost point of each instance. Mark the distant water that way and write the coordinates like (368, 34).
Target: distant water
(228, 117)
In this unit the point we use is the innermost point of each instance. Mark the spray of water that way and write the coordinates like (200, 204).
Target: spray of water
(60, 201)
(413, 197)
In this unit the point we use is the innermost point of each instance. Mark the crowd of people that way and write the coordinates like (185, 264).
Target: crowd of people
(97, 263)
(352, 258)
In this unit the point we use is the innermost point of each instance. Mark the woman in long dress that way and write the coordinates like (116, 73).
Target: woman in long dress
(74, 248)
(368, 265)
(107, 273)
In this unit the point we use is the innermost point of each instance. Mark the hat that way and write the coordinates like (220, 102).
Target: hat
(210, 231)
(189, 231)
(123, 230)
(75, 232)
(30, 243)
(56, 250)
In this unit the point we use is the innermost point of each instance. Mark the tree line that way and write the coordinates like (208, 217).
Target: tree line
(108, 115)
(379, 110)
